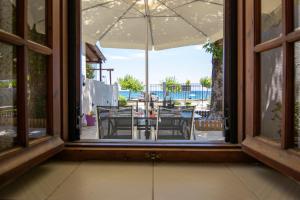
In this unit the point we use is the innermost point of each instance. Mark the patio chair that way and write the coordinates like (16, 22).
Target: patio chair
(115, 122)
(175, 123)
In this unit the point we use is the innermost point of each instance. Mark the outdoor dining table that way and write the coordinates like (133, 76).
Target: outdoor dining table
(138, 117)
(144, 123)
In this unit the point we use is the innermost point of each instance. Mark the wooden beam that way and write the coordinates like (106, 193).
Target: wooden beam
(249, 86)
(54, 71)
(22, 74)
(241, 70)
(64, 70)
(169, 154)
(287, 136)
(39, 48)
(74, 69)
(270, 44)
(285, 161)
(11, 38)
(100, 71)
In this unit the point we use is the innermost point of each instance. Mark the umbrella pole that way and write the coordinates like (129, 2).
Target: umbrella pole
(147, 131)
(147, 61)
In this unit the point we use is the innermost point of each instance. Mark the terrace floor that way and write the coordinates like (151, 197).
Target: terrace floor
(90, 133)
(90, 180)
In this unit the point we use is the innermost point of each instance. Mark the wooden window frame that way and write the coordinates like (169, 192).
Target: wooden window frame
(28, 153)
(280, 155)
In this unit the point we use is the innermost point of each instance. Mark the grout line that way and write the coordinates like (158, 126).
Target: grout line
(153, 165)
(64, 180)
(240, 180)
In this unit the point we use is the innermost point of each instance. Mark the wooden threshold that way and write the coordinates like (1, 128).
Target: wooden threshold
(161, 144)
(204, 153)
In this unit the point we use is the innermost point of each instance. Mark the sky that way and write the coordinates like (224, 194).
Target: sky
(185, 63)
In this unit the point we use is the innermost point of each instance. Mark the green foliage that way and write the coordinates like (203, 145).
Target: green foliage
(89, 72)
(206, 82)
(130, 83)
(172, 85)
(188, 82)
(188, 103)
(122, 101)
(177, 103)
(8, 84)
(215, 49)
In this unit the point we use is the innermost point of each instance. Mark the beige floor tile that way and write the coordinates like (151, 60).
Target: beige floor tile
(265, 182)
(108, 181)
(39, 182)
(133, 181)
(198, 181)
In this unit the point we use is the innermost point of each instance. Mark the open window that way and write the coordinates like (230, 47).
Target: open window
(152, 16)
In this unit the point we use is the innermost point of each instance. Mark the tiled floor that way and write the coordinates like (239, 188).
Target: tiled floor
(90, 133)
(144, 181)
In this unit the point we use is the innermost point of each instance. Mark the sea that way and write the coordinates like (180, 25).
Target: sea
(192, 95)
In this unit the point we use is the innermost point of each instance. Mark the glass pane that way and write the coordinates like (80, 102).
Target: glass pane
(297, 94)
(8, 15)
(8, 98)
(36, 21)
(271, 19)
(37, 94)
(271, 93)
(296, 13)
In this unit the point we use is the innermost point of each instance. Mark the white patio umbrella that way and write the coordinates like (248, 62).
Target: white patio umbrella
(151, 24)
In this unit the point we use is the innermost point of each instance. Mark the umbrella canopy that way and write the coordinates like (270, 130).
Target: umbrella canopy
(172, 23)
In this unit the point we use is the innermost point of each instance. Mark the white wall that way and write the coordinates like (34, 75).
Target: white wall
(96, 93)
(83, 59)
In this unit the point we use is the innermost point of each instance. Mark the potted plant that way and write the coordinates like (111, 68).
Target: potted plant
(122, 101)
(90, 119)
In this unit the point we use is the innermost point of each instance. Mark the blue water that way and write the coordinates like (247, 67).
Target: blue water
(193, 95)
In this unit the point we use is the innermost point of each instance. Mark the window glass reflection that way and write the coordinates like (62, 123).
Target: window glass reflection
(36, 21)
(271, 19)
(271, 93)
(8, 96)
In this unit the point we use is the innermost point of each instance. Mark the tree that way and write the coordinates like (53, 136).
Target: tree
(187, 88)
(216, 49)
(205, 82)
(207, 85)
(172, 85)
(216, 105)
(130, 83)
(89, 72)
(187, 82)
